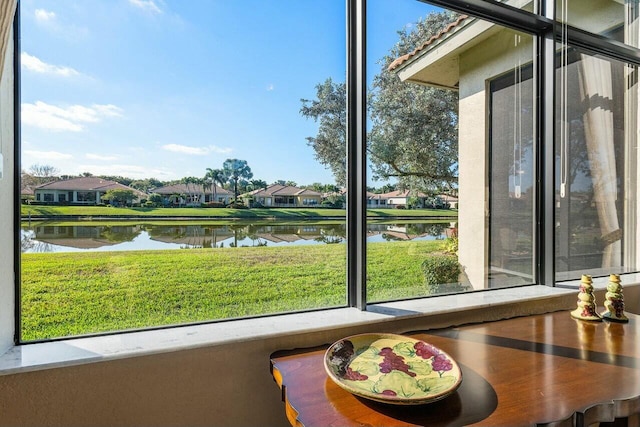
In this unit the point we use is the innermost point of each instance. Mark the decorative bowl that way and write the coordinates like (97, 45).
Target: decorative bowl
(392, 368)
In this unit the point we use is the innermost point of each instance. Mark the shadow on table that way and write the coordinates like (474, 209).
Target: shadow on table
(472, 402)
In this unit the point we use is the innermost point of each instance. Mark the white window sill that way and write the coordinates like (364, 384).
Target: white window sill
(31, 357)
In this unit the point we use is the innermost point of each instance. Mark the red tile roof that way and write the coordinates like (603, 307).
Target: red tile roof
(404, 58)
(284, 190)
(85, 184)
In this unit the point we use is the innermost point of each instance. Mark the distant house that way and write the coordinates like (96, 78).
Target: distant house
(376, 200)
(450, 201)
(399, 198)
(283, 196)
(26, 193)
(79, 191)
(192, 194)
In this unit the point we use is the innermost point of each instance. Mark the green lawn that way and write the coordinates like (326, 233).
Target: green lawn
(79, 293)
(301, 213)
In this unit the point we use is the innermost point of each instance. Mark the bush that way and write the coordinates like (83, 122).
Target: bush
(237, 205)
(213, 205)
(441, 274)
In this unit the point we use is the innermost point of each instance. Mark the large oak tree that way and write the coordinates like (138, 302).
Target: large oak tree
(414, 128)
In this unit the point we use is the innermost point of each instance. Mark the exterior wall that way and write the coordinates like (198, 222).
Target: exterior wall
(489, 59)
(396, 201)
(40, 196)
(300, 201)
(7, 277)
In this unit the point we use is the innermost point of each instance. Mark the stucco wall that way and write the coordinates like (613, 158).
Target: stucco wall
(489, 59)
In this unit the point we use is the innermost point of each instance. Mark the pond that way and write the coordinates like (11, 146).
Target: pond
(85, 237)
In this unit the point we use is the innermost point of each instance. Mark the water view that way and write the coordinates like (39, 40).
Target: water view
(84, 237)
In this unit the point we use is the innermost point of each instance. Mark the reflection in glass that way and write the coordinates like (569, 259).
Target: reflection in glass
(617, 20)
(465, 90)
(512, 189)
(596, 167)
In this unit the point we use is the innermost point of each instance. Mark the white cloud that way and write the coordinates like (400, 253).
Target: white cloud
(100, 157)
(47, 155)
(56, 26)
(271, 87)
(71, 118)
(44, 16)
(146, 5)
(195, 151)
(130, 171)
(31, 63)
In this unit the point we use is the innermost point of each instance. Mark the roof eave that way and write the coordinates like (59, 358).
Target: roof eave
(438, 64)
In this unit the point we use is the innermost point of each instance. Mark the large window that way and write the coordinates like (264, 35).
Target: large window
(183, 134)
(198, 154)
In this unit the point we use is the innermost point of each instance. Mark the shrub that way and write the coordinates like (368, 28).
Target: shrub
(451, 245)
(441, 273)
(237, 205)
(213, 205)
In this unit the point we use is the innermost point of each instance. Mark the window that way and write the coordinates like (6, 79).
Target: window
(457, 153)
(178, 104)
(512, 188)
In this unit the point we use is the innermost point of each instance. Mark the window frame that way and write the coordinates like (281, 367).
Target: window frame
(545, 31)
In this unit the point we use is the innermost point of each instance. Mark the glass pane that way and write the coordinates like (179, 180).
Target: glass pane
(596, 201)
(617, 20)
(451, 153)
(169, 171)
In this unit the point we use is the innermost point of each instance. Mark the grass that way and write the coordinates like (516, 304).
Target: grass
(224, 213)
(81, 293)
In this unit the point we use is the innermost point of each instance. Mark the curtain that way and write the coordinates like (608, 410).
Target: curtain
(7, 12)
(597, 95)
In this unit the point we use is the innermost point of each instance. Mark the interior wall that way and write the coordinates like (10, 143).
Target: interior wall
(6, 203)
(223, 385)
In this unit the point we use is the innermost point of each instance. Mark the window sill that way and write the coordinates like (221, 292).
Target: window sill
(75, 351)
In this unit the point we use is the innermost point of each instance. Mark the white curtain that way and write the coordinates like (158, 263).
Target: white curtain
(597, 95)
(7, 11)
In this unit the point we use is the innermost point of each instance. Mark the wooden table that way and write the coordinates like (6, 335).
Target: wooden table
(538, 370)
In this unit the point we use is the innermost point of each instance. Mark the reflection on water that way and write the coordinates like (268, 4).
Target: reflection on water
(49, 237)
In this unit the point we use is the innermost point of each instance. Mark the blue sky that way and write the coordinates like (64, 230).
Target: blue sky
(167, 88)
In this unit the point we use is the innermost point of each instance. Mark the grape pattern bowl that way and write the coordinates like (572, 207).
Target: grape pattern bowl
(392, 368)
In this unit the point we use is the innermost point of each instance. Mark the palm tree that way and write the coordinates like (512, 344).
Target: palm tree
(212, 177)
(235, 169)
(191, 190)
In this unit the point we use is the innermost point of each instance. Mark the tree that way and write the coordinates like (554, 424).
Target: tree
(234, 170)
(119, 197)
(40, 174)
(257, 184)
(330, 110)
(146, 185)
(212, 178)
(156, 199)
(194, 185)
(413, 137)
(414, 133)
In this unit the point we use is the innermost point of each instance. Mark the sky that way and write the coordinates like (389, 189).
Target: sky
(168, 88)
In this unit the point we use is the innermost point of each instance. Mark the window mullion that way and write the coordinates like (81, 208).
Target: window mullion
(356, 149)
(545, 252)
